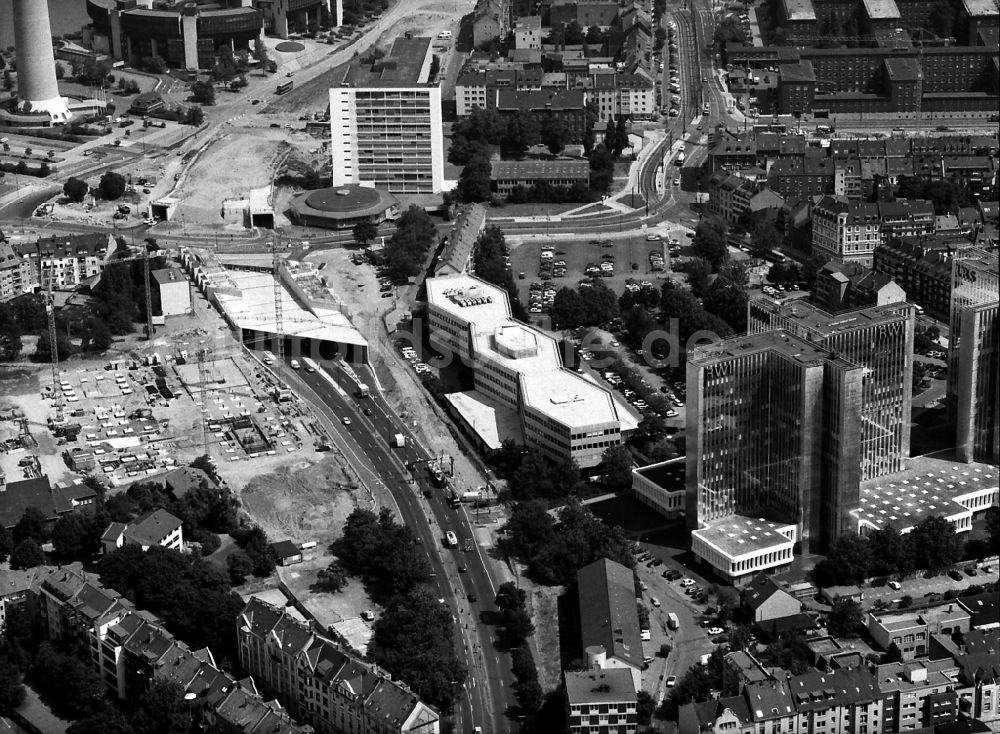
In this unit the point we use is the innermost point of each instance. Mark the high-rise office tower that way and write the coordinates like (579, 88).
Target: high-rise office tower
(880, 340)
(772, 434)
(37, 91)
(974, 358)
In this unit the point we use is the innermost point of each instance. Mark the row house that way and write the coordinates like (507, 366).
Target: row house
(490, 21)
(615, 94)
(129, 648)
(67, 260)
(847, 230)
(336, 692)
(568, 105)
(734, 197)
(856, 700)
(976, 671)
(922, 267)
(15, 273)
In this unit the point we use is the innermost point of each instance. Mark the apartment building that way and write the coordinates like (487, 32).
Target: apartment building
(733, 196)
(129, 648)
(522, 390)
(528, 32)
(67, 260)
(322, 684)
(15, 586)
(385, 122)
(609, 623)
(846, 286)
(15, 273)
(910, 630)
(879, 339)
(154, 528)
(916, 694)
(846, 231)
(922, 266)
(601, 702)
(974, 358)
(773, 425)
(568, 105)
(490, 21)
(975, 671)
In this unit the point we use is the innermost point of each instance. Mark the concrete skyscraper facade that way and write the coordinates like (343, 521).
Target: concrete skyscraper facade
(974, 358)
(37, 90)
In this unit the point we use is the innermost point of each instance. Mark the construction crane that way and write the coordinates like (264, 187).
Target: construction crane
(278, 320)
(202, 379)
(143, 255)
(50, 313)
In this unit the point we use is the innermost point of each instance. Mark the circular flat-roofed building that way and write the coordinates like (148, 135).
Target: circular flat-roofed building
(341, 207)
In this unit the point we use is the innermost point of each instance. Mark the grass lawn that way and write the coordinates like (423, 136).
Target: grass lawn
(529, 210)
(592, 209)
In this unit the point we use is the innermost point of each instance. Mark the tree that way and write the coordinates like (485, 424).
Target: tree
(616, 465)
(203, 93)
(98, 335)
(6, 544)
(11, 688)
(332, 578)
(156, 65)
(365, 231)
(69, 536)
(699, 275)
(992, 518)
(76, 189)
(709, 241)
(845, 618)
(510, 596)
(253, 540)
(163, 710)
(555, 134)
(474, 181)
(848, 562)
(112, 185)
(765, 237)
(106, 720)
(602, 168)
(260, 51)
(517, 626)
(413, 639)
(194, 116)
(621, 135)
(644, 706)
(935, 544)
(891, 552)
(26, 554)
(33, 525)
(567, 309)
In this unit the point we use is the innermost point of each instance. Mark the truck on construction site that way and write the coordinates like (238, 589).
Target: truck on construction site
(363, 391)
(672, 621)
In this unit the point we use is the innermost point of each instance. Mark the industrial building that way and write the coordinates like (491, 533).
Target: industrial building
(661, 487)
(522, 390)
(314, 323)
(385, 122)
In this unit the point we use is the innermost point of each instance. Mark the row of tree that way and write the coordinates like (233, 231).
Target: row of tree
(413, 638)
(407, 249)
(554, 550)
(931, 545)
(490, 257)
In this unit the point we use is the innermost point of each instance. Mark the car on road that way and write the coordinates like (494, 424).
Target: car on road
(955, 575)
(652, 238)
(472, 598)
(715, 631)
(677, 182)
(654, 601)
(671, 681)
(462, 569)
(895, 585)
(345, 420)
(971, 571)
(368, 615)
(688, 582)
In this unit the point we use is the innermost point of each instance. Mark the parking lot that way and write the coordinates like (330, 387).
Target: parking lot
(623, 259)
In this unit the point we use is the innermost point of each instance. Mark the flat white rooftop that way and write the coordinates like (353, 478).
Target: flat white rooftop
(929, 487)
(253, 309)
(548, 387)
(493, 423)
(738, 535)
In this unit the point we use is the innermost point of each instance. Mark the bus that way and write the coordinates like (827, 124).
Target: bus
(777, 257)
(284, 87)
(450, 539)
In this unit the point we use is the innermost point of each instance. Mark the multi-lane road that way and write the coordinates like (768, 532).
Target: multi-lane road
(461, 577)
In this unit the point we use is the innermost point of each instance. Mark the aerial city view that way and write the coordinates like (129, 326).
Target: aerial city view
(498, 366)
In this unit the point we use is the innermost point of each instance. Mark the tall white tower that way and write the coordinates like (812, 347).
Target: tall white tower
(37, 90)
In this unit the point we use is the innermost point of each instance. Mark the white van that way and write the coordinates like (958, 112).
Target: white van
(444, 35)
(295, 364)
